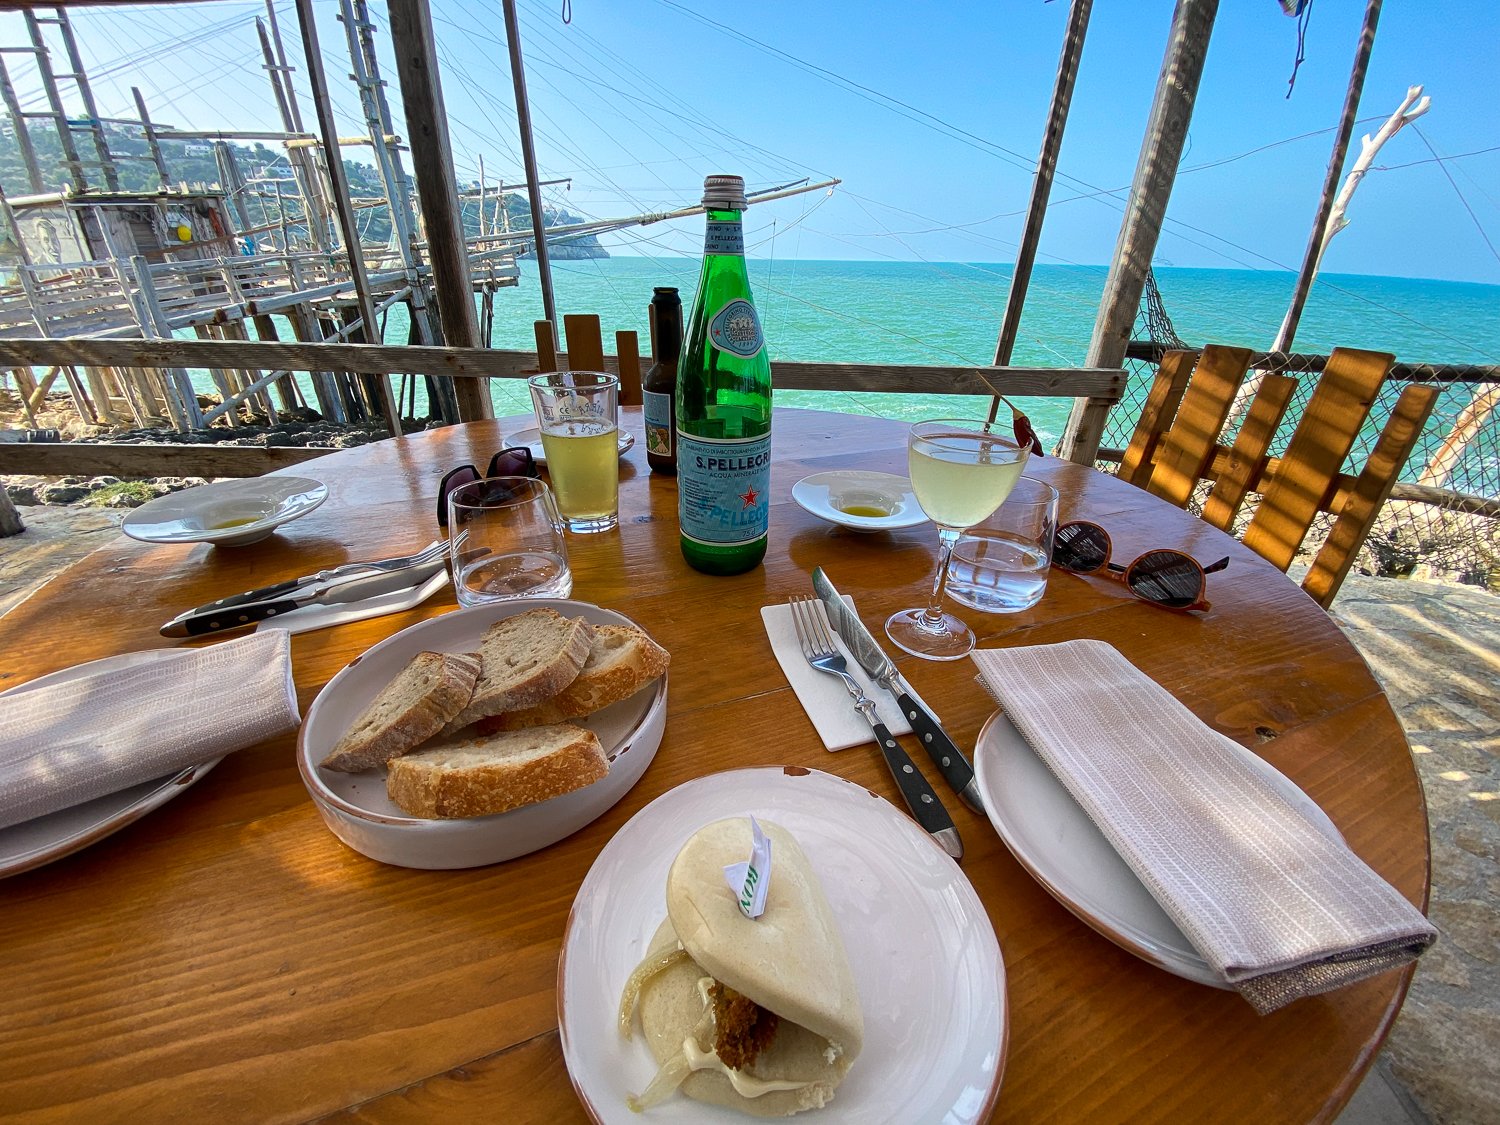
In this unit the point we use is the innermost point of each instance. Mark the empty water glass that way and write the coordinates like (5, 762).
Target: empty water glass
(505, 540)
(1000, 565)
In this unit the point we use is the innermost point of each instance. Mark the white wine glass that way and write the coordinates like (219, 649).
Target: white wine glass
(961, 470)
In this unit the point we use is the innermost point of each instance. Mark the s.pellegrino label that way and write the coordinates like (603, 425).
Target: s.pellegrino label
(736, 329)
(724, 489)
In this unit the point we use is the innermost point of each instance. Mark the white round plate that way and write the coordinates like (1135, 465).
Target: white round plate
(1053, 838)
(43, 839)
(825, 495)
(925, 957)
(357, 810)
(228, 513)
(532, 440)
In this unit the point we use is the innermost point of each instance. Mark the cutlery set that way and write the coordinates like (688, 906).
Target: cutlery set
(821, 653)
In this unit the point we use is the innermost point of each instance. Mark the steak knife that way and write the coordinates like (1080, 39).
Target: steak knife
(944, 752)
(291, 585)
(214, 619)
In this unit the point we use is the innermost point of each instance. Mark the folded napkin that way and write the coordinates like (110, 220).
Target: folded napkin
(824, 697)
(65, 743)
(1277, 908)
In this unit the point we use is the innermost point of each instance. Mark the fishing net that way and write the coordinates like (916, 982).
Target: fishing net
(1458, 453)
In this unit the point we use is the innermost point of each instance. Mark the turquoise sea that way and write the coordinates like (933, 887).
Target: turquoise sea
(949, 313)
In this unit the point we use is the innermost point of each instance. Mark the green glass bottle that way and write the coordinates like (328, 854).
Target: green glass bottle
(724, 402)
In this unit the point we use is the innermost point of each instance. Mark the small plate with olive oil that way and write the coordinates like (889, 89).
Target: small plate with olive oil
(227, 513)
(860, 501)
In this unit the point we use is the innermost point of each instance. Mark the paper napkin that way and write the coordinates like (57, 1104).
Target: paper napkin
(1277, 908)
(824, 697)
(312, 617)
(65, 743)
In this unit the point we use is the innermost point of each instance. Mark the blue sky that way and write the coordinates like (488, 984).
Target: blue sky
(930, 114)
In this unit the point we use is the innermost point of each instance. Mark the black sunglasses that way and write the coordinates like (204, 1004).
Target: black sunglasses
(516, 461)
(1162, 577)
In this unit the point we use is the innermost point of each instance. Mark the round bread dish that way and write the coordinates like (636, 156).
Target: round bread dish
(926, 962)
(357, 810)
(859, 500)
(43, 839)
(532, 440)
(227, 513)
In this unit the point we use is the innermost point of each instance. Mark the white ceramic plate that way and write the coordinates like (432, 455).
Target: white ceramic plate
(532, 440)
(826, 495)
(356, 809)
(1052, 837)
(228, 513)
(46, 838)
(925, 958)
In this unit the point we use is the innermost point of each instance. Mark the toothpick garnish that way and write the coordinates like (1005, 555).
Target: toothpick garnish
(1020, 424)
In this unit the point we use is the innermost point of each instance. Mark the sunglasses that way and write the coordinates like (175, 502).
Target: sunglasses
(515, 461)
(1162, 577)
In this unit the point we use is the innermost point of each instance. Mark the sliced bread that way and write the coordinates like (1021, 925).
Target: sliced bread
(525, 659)
(426, 694)
(622, 660)
(494, 773)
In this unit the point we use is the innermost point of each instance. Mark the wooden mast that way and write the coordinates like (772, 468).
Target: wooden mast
(1156, 169)
(528, 155)
(1041, 184)
(432, 162)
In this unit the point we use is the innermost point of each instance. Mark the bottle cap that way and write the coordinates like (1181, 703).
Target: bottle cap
(665, 290)
(724, 193)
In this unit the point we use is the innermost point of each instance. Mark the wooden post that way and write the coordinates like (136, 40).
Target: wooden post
(528, 154)
(1041, 184)
(333, 157)
(21, 133)
(432, 162)
(1161, 149)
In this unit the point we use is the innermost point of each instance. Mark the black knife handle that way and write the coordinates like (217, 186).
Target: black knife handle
(944, 752)
(925, 807)
(265, 593)
(234, 618)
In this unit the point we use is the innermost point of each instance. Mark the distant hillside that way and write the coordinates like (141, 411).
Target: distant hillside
(193, 162)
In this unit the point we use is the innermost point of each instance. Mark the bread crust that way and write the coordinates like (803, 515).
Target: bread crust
(493, 774)
(622, 659)
(414, 706)
(525, 659)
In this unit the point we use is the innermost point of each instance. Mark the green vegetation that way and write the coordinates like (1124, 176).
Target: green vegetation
(125, 494)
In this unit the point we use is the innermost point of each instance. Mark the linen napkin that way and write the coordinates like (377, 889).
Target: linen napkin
(1275, 907)
(65, 743)
(824, 697)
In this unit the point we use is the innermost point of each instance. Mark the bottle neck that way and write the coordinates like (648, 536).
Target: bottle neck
(668, 332)
(724, 236)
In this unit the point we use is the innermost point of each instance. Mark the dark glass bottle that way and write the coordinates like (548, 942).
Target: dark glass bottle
(659, 391)
(724, 402)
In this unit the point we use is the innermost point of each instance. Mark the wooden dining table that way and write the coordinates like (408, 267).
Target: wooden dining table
(225, 958)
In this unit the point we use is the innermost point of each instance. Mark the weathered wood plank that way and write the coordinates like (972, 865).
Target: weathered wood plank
(1058, 382)
(103, 459)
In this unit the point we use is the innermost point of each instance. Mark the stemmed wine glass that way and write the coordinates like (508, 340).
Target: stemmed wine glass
(961, 471)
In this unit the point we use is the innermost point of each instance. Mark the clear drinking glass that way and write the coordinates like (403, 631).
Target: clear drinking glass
(961, 470)
(577, 412)
(1000, 564)
(505, 540)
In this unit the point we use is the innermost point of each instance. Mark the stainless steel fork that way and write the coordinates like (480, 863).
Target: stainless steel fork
(820, 652)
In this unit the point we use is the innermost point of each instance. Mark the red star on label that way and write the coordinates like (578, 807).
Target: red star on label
(750, 496)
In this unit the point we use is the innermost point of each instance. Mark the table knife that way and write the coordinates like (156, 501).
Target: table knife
(944, 752)
(357, 587)
(291, 585)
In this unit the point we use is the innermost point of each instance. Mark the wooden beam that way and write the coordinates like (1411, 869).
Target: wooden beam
(432, 164)
(94, 459)
(1156, 169)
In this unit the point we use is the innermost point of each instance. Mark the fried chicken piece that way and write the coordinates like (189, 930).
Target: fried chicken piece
(742, 1028)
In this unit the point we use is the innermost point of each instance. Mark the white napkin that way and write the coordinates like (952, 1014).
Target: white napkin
(824, 697)
(311, 617)
(1276, 907)
(65, 743)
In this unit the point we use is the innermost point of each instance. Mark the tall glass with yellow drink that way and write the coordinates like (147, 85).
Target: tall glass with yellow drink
(576, 412)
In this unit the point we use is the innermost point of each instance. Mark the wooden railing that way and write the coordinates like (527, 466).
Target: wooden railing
(474, 363)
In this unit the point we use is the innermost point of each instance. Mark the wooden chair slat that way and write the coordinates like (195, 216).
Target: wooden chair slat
(584, 342)
(546, 345)
(628, 351)
(1246, 460)
(1187, 447)
(1310, 466)
(1156, 415)
(1371, 489)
